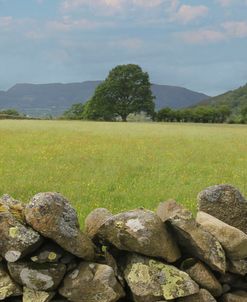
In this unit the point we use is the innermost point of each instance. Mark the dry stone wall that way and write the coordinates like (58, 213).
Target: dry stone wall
(138, 255)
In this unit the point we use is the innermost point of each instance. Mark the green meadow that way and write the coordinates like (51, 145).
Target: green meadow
(120, 165)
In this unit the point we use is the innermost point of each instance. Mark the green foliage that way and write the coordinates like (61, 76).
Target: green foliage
(244, 113)
(126, 90)
(165, 115)
(98, 108)
(201, 114)
(75, 112)
(11, 112)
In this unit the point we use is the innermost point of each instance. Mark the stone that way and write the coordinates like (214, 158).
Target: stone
(226, 288)
(39, 277)
(202, 276)
(237, 267)
(30, 295)
(238, 296)
(91, 282)
(110, 260)
(171, 208)
(17, 239)
(239, 284)
(202, 296)
(8, 287)
(232, 239)
(140, 231)
(68, 258)
(53, 216)
(48, 253)
(152, 280)
(193, 237)
(95, 220)
(15, 207)
(228, 278)
(72, 265)
(226, 203)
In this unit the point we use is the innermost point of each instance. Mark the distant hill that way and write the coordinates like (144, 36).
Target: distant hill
(55, 98)
(235, 99)
(175, 97)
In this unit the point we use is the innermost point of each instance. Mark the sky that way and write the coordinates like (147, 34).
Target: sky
(200, 45)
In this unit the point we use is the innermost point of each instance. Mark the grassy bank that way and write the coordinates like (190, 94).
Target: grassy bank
(119, 165)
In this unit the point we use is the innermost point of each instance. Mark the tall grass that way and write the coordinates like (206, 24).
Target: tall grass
(120, 165)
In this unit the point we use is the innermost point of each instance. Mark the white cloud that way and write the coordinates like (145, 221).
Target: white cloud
(67, 24)
(70, 5)
(147, 3)
(237, 29)
(229, 3)
(226, 3)
(33, 29)
(228, 30)
(203, 36)
(171, 8)
(6, 22)
(188, 13)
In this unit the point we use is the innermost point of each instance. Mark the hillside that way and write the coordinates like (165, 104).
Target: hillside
(55, 98)
(235, 99)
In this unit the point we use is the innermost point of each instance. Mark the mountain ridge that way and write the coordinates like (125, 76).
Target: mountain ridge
(55, 98)
(235, 99)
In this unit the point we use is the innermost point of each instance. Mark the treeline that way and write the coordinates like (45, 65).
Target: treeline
(13, 114)
(10, 114)
(202, 114)
(194, 115)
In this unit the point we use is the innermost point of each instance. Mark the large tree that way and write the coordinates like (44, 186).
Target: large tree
(126, 90)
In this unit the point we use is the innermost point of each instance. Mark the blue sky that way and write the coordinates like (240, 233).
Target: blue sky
(201, 45)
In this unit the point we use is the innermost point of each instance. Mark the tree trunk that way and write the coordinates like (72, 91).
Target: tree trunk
(124, 118)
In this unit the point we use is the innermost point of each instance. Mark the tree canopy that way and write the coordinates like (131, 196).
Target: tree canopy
(244, 112)
(75, 112)
(126, 90)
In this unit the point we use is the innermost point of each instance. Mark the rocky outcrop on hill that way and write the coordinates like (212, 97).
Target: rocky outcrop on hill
(133, 256)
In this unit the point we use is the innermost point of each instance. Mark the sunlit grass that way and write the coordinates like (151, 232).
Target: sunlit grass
(120, 165)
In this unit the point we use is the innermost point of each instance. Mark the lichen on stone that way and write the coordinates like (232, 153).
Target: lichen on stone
(18, 212)
(13, 232)
(171, 279)
(150, 279)
(52, 256)
(3, 208)
(36, 280)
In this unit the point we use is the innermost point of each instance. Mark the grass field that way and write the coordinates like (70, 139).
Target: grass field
(120, 165)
